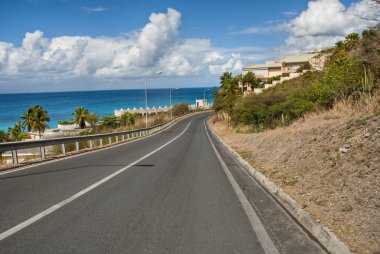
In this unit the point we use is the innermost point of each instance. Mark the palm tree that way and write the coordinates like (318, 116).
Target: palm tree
(80, 116)
(227, 76)
(28, 117)
(352, 37)
(230, 93)
(4, 136)
(40, 117)
(92, 119)
(124, 118)
(17, 132)
(110, 121)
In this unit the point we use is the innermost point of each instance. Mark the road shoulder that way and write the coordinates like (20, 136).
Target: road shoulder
(321, 233)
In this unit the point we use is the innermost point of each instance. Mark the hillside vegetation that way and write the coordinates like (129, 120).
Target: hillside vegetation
(318, 138)
(352, 72)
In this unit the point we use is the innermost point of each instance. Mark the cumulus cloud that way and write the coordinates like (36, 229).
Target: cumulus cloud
(290, 13)
(326, 21)
(94, 9)
(155, 47)
(259, 30)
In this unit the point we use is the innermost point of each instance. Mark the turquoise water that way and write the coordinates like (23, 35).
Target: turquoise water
(61, 105)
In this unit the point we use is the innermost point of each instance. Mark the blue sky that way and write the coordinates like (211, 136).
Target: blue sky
(113, 44)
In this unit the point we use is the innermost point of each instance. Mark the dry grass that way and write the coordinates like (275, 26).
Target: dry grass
(340, 189)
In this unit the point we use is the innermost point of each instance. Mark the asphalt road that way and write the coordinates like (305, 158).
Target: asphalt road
(167, 193)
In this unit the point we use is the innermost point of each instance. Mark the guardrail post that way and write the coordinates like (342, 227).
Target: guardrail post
(117, 139)
(63, 149)
(42, 153)
(90, 143)
(122, 137)
(14, 157)
(109, 140)
(77, 146)
(100, 142)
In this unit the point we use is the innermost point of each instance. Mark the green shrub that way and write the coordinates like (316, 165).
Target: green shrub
(180, 109)
(270, 80)
(353, 70)
(160, 119)
(306, 66)
(66, 122)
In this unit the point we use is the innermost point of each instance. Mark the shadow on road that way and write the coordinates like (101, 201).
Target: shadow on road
(65, 169)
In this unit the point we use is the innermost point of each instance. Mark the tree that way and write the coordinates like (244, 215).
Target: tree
(251, 80)
(340, 44)
(110, 121)
(4, 137)
(40, 117)
(127, 119)
(226, 77)
(28, 117)
(230, 93)
(92, 119)
(17, 132)
(352, 37)
(80, 116)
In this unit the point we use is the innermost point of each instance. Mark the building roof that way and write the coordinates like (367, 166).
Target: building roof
(277, 63)
(266, 65)
(297, 58)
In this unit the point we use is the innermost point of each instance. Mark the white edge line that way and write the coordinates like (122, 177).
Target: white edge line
(55, 207)
(69, 156)
(261, 233)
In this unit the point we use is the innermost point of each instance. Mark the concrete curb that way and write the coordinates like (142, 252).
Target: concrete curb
(322, 233)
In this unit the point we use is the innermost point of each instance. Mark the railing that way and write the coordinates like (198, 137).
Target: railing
(43, 143)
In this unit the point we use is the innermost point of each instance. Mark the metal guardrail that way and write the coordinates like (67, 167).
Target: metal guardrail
(42, 143)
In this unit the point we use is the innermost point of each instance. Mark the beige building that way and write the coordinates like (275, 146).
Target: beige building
(285, 65)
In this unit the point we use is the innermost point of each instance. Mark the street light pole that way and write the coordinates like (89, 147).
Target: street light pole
(146, 102)
(204, 96)
(146, 98)
(170, 102)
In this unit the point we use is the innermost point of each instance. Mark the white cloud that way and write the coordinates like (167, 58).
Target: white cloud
(94, 9)
(155, 47)
(325, 22)
(258, 30)
(290, 13)
(233, 64)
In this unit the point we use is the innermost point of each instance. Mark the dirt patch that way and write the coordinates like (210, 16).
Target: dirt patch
(329, 163)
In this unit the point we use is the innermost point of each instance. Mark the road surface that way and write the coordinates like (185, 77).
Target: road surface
(177, 191)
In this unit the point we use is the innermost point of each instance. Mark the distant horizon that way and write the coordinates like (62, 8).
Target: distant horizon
(61, 105)
(100, 90)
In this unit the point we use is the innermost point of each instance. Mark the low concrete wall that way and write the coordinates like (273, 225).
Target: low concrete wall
(266, 86)
(295, 74)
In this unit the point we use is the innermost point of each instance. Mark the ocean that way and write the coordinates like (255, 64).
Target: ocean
(61, 105)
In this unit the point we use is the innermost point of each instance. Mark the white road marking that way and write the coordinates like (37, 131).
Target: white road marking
(53, 208)
(261, 233)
